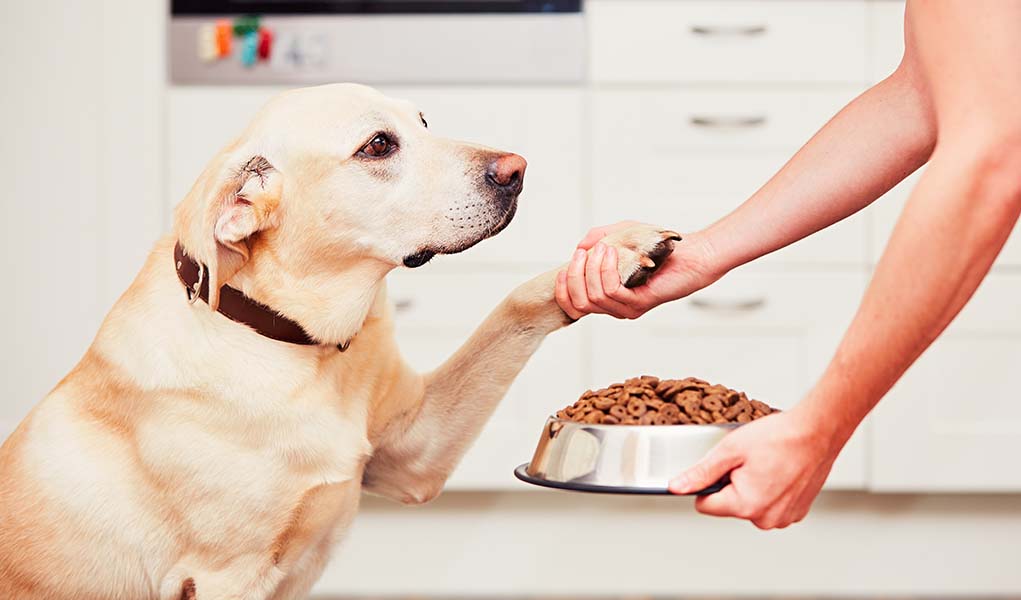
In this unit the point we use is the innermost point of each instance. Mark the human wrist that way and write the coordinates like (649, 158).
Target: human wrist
(827, 417)
(702, 258)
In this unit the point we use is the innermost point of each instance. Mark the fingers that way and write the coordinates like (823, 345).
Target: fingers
(597, 233)
(730, 502)
(720, 461)
(591, 284)
(577, 289)
(564, 299)
(635, 301)
(604, 257)
(609, 276)
(724, 503)
(594, 235)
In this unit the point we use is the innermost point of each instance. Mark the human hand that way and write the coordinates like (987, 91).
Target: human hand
(777, 466)
(591, 282)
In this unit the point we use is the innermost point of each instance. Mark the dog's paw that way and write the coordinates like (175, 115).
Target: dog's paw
(641, 249)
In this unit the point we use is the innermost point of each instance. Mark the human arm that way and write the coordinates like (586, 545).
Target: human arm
(954, 225)
(868, 147)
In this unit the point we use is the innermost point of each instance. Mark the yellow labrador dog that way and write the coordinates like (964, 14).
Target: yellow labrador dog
(213, 442)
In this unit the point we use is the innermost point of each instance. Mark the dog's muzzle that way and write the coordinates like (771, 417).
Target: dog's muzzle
(502, 181)
(418, 259)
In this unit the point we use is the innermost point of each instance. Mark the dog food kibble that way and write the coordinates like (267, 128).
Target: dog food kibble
(648, 400)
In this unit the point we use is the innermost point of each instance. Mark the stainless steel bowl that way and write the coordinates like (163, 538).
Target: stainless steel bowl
(622, 459)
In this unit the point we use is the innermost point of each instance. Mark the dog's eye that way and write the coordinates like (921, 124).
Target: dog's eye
(379, 146)
(424, 122)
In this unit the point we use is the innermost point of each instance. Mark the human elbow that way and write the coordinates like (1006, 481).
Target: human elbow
(987, 164)
(996, 166)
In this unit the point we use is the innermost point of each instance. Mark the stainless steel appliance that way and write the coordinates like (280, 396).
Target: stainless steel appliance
(376, 41)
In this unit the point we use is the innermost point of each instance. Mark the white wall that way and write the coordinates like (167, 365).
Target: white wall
(80, 146)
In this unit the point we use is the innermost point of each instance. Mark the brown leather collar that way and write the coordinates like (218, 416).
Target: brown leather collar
(240, 308)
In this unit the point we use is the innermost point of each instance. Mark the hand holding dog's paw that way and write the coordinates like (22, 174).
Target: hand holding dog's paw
(612, 271)
(640, 250)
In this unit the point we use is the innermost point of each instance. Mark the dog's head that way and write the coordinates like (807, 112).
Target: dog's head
(329, 175)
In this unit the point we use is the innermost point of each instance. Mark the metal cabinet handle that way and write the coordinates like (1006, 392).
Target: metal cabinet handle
(403, 305)
(748, 305)
(727, 122)
(739, 30)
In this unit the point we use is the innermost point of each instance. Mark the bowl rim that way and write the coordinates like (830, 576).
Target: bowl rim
(557, 419)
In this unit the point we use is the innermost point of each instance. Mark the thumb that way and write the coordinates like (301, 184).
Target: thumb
(597, 233)
(593, 236)
(720, 461)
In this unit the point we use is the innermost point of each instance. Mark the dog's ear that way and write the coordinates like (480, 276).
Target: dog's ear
(232, 201)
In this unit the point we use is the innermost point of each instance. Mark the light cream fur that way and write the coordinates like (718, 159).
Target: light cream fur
(186, 456)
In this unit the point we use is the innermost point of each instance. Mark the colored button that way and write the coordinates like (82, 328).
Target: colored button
(265, 43)
(249, 48)
(224, 35)
(207, 49)
(245, 24)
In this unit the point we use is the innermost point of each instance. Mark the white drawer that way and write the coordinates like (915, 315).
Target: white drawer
(652, 163)
(736, 120)
(542, 124)
(441, 308)
(953, 423)
(885, 212)
(769, 334)
(452, 294)
(740, 41)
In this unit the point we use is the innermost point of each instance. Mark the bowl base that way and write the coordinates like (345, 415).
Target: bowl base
(522, 473)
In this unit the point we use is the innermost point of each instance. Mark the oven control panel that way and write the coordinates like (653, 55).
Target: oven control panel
(249, 42)
(543, 47)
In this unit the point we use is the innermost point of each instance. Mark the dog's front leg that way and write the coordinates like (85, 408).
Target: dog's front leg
(418, 453)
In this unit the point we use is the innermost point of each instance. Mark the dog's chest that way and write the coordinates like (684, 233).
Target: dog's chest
(234, 478)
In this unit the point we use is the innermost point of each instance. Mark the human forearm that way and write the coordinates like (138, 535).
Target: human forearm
(872, 144)
(951, 231)
(868, 147)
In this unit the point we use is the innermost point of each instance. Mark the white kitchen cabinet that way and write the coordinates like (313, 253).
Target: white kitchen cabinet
(953, 423)
(740, 42)
(542, 124)
(885, 212)
(768, 333)
(437, 309)
(886, 37)
(684, 159)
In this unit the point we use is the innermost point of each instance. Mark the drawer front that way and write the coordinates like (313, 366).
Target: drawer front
(885, 212)
(953, 423)
(740, 41)
(741, 120)
(655, 159)
(769, 334)
(437, 309)
(542, 124)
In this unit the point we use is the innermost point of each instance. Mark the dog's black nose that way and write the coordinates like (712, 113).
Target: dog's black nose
(507, 172)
